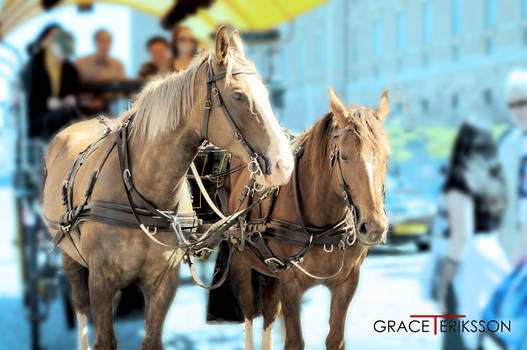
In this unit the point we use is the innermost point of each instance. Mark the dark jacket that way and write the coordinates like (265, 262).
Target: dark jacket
(38, 87)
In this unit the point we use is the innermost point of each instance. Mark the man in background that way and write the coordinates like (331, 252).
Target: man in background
(513, 156)
(160, 58)
(99, 67)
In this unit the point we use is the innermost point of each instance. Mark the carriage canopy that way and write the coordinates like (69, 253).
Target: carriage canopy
(246, 15)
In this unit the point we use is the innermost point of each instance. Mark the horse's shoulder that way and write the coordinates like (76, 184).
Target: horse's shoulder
(72, 140)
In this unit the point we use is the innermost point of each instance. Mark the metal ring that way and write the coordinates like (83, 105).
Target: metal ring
(215, 91)
(99, 130)
(328, 250)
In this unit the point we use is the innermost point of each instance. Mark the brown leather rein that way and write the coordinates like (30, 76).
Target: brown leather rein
(147, 218)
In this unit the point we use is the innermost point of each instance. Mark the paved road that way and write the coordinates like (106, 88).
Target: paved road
(388, 289)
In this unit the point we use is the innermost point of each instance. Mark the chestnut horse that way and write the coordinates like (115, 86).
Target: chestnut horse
(170, 121)
(355, 137)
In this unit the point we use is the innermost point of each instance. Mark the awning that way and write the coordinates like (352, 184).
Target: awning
(245, 15)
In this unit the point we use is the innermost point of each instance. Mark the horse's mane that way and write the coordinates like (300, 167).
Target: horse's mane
(320, 135)
(166, 102)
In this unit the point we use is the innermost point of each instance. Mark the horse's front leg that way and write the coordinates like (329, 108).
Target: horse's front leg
(159, 290)
(290, 296)
(240, 271)
(271, 307)
(103, 287)
(341, 294)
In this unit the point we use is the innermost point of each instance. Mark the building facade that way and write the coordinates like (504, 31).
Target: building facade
(443, 60)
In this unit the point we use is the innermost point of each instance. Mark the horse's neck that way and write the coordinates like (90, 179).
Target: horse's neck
(159, 166)
(322, 204)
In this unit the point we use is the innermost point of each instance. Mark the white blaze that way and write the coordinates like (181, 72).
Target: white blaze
(279, 150)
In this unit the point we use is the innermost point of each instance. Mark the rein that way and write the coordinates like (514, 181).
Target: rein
(148, 218)
(341, 234)
(259, 164)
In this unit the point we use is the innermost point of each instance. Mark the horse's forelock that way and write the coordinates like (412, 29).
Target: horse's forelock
(368, 130)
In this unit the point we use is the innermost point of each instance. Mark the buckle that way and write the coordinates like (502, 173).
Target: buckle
(207, 104)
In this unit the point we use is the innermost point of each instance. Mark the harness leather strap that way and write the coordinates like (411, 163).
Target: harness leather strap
(212, 90)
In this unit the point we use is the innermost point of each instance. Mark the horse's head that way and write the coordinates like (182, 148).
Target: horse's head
(359, 160)
(246, 103)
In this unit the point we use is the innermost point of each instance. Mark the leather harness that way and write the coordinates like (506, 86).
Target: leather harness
(148, 218)
(259, 231)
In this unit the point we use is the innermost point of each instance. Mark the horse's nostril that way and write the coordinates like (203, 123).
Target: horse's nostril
(282, 165)
(363, 228)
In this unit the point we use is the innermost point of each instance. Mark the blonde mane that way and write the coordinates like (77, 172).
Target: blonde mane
(167, 101)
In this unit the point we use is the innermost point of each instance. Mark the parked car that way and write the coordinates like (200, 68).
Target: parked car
(411, 215)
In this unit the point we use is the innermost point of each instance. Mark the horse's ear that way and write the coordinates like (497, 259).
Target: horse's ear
(222, 44)
(339, 109)
(236, 42)
(384, 106)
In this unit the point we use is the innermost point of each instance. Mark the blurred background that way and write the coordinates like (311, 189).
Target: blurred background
(450, 65)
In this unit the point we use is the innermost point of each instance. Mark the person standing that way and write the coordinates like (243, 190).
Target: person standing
(513, 157)
(52, 83)
(160, 58)
(184, 47)
(474, 262)
(98, 68)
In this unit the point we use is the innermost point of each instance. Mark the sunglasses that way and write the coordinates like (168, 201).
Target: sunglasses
(518, 104)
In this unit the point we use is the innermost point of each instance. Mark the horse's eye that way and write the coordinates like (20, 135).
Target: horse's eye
(343, 157)
(237, 96)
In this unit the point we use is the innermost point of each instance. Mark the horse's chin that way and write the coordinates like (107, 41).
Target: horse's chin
(368, 244)
(264, 182)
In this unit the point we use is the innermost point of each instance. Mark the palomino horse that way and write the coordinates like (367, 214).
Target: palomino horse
(342, 169)
(171, 118)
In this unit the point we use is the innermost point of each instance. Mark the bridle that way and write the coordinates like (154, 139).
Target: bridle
(334, 158)
(258, 164)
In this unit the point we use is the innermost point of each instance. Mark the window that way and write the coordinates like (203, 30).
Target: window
(454, 102)
(399, 65)
(285, 64)
(427, 23)
(424, 105)
(398, 108)
(490, 13)
(377, 38)
(455, 53)
(487, 96)
(301, 59)
(489, 46)
(320, 51)
(376, 71)
(401, 31)
(425, 60)
(354, 45)
(456, 17)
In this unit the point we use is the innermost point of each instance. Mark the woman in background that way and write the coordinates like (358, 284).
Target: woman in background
(184, 47)
(52, 82)
(475, 263)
